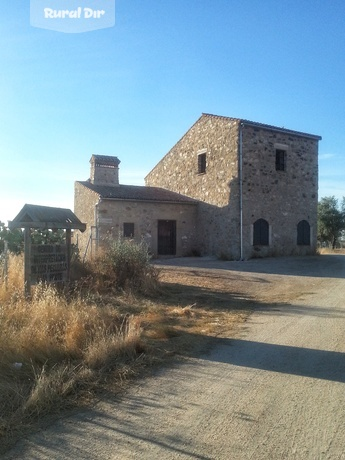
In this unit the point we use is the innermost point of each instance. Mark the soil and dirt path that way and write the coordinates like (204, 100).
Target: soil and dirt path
(273, 388)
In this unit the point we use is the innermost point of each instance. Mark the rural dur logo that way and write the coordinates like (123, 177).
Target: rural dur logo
(72, 16)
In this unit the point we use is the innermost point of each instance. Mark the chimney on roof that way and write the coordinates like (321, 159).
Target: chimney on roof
(104, 170)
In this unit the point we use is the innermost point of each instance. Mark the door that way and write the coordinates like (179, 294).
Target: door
(166, 237)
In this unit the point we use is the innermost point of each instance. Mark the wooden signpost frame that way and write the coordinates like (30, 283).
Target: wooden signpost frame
(44, 218)
(28, 258)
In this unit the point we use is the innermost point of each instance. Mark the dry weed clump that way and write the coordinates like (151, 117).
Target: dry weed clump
(124, 265)
(11, 283)
(52, 349)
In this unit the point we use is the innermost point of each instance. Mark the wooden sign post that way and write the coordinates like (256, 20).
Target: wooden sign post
(48, 263)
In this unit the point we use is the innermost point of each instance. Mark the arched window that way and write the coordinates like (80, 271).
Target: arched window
(261, 232)
(303, 233)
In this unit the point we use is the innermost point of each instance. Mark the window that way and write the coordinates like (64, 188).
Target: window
(128, 230)
(261, 233)
(201, 163)
(303, 233)
(280, 160)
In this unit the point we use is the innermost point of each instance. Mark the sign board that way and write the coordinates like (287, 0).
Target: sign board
(72, 16)
(48, 263)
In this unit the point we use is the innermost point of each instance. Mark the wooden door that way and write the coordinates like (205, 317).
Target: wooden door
(167, 237)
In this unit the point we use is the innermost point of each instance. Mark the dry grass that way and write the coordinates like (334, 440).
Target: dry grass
(331, 251)
(12, 285)
(54, 352)
(58, 351)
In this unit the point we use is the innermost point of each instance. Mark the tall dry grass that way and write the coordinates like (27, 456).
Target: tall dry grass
(55, 349)
(58, 349)
(11, 282)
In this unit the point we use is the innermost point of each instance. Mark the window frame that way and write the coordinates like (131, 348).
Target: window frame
(280, 159)
(202, 162)
(261, 233)
(128, 229)
(303, 233)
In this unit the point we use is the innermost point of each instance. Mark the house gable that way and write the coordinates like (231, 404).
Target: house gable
(243, 171)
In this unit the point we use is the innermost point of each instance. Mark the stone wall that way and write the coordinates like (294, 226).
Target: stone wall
(110, 215)
(282, 198)
(85, 201)
(217, 189)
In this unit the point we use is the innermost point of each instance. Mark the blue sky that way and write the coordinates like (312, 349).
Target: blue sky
(134, 89)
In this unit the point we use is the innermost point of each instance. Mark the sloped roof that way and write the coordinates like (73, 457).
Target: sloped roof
(137, 193)
(46, 217)
(263, 126)
(239, 121)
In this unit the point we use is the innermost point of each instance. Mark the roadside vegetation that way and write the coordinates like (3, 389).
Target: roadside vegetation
(62, 348)
(331, 223)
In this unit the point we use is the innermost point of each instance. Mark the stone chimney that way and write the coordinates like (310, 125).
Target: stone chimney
(104, 170)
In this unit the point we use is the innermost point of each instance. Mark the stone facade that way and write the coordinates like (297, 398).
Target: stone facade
(166, 221)
(244, 174)
(231, 188)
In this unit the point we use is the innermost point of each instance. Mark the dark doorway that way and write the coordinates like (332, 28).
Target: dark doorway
(166, 237)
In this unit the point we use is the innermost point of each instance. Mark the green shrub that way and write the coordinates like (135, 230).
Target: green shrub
(125, 264)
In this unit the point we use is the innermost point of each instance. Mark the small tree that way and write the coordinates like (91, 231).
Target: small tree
(15, 239)
(48, 236)
(331, 220)
(126, 264)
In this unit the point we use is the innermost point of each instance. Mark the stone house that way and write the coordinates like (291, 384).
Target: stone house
(257, 186)
(165, 220)
(230, 187)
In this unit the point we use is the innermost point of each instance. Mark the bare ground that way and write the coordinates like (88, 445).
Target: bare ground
(272, 387)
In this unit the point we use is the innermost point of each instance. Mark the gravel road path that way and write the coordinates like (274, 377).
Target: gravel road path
(274, 390)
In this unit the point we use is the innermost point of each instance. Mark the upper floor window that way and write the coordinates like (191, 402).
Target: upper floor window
(261, 233)
(303, 233)
(128, 230)
(280, 160)
(201, 163)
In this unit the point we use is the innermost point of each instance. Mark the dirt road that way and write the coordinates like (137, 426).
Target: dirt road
(275, 389)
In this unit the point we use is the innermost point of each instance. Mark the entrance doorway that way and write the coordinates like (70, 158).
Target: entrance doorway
(166, 237)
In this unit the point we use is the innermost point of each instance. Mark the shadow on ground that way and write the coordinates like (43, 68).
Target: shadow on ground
(305, 362)
(332, 266)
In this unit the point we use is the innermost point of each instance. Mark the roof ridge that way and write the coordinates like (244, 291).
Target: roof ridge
(137, 192)
(264, 125)
(221, 116)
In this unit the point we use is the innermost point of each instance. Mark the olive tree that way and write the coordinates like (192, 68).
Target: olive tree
(14, 238)
(331, 220)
